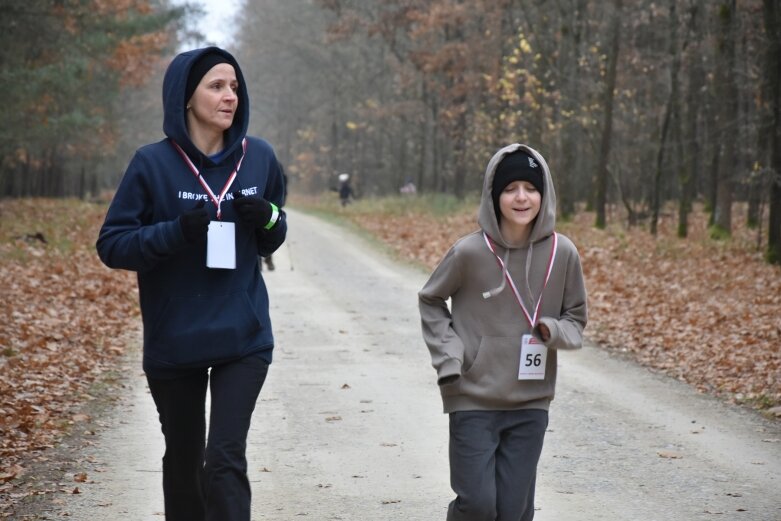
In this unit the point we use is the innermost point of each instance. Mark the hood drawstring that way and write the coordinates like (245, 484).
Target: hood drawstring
(494, 292)
(505, 269)
(528, 269)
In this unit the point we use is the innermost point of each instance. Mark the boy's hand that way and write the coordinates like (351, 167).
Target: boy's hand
(544, 332)
(448, 379)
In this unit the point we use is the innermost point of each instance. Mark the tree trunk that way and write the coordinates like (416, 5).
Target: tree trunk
(749, 114)
(423, 137)
(691, 160)
(437, 154)
(607, 125)
(459, 155)
(571, 130)
(722, 215)
(670, 116)
(82, 190)
(334, 163)
(773, 29)
(753, 213)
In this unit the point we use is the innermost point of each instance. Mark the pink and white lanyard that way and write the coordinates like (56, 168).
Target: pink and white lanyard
(216, 200)
(532, 319)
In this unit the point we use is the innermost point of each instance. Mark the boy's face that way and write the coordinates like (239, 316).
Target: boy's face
(519, 204)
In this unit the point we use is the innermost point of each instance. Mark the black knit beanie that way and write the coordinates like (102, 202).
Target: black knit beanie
(516, 166)
(199, 69)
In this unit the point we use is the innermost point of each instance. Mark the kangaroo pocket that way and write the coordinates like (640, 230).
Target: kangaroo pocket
(494, 372)
(193, 331)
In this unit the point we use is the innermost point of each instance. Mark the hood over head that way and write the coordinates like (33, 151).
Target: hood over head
(175, 90)
(516, 166)
(487, 216)
(545, 222)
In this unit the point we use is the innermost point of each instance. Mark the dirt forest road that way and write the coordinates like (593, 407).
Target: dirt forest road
(349, 425)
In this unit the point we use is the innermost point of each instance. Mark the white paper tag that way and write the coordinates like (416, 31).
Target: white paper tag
(533, 357)
(221, 245)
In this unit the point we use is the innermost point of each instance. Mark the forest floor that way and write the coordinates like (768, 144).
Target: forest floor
(706, 312)
(64, 317)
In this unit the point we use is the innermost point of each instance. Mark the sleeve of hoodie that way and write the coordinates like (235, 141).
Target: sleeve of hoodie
(445, 346)
(270, 240)
(566, 332)
(128, 239)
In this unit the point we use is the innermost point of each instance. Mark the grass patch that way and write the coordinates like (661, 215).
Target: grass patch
(435, 205)
(719, 233)
(29, 227)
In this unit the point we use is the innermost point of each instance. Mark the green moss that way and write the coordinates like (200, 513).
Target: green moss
(718, 233)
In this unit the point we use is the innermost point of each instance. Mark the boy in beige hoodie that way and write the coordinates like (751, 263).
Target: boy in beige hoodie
(517, 298)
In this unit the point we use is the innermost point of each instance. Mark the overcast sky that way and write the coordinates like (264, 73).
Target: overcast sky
(217, 23)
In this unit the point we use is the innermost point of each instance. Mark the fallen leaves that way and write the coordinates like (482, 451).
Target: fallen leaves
(65, 317)
(10, 473)
(668, 454)
(705, 312)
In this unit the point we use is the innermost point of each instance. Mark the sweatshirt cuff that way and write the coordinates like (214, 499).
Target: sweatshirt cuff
(450, 367)
(173, 236)
(553, 327)
(270, 240)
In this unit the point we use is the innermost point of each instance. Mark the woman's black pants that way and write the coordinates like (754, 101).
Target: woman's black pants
(207, 480)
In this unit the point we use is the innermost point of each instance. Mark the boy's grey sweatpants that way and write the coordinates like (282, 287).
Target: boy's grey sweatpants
(493, 463)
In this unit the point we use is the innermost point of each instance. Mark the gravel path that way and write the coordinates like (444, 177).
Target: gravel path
(349, 426)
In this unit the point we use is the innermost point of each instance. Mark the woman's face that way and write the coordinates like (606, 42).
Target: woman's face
(215, 100)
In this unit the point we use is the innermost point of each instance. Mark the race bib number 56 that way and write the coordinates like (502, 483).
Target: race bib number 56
(533, 357)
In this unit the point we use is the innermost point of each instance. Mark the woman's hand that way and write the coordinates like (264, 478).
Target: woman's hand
(195, 223)
(255, 212)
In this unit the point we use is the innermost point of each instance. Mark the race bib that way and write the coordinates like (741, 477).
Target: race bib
(221, 245)
(534, 354)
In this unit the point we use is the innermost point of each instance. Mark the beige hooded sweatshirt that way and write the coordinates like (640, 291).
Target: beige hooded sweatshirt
(479, 337)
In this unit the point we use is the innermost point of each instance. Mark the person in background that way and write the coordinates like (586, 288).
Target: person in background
(345, 190)
(518, 298)
(190, 217)
(408, 188)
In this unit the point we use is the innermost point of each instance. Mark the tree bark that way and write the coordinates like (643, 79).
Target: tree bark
(670, 116)
(722, 215)
(423, 138)
(773, 29)
(607, 125)
(689, 172)
(571, 129)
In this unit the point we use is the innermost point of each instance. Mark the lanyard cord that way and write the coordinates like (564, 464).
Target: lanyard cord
(532, 319)
(217, 201)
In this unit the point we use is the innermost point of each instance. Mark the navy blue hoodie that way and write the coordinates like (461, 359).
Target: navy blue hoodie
(194, 316)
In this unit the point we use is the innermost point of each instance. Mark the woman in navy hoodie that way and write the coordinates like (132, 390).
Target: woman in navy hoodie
(190, 217)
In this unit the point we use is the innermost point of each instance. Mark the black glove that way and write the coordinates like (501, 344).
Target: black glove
(255, 212)
(195, 223)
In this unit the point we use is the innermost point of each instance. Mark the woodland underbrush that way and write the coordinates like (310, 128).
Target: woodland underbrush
(704, 311)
